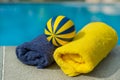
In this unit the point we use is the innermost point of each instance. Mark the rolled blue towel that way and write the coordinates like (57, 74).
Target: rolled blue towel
(38, 52)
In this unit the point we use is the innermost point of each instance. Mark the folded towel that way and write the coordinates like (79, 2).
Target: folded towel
(90, 46)
(37, 52)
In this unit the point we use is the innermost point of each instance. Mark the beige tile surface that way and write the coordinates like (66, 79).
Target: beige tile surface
(1, 57)
(108, 69)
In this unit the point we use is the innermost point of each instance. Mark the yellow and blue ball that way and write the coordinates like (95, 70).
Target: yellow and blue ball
(59, 30)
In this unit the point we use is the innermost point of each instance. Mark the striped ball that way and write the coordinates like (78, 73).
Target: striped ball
(60, 30)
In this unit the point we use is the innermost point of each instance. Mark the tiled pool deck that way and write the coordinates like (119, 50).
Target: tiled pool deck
(108, 69)
(1, 60)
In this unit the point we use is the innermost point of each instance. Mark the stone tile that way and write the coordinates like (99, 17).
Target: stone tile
(108, 69)
(1, 59)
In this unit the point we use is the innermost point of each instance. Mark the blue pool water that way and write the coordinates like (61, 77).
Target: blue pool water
(23, 22)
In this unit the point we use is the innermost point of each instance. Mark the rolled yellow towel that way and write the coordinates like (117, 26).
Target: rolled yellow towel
(90, 46)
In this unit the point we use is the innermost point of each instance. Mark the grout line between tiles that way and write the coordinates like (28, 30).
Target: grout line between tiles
(3, 62)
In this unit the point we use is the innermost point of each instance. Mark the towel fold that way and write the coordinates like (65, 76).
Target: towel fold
(90, 46)
(38, 52)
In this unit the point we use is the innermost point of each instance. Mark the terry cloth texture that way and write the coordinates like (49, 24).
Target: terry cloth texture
(90, 46)
(37, 52)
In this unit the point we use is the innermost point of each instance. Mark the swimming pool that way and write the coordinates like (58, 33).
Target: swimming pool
(23, 22)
